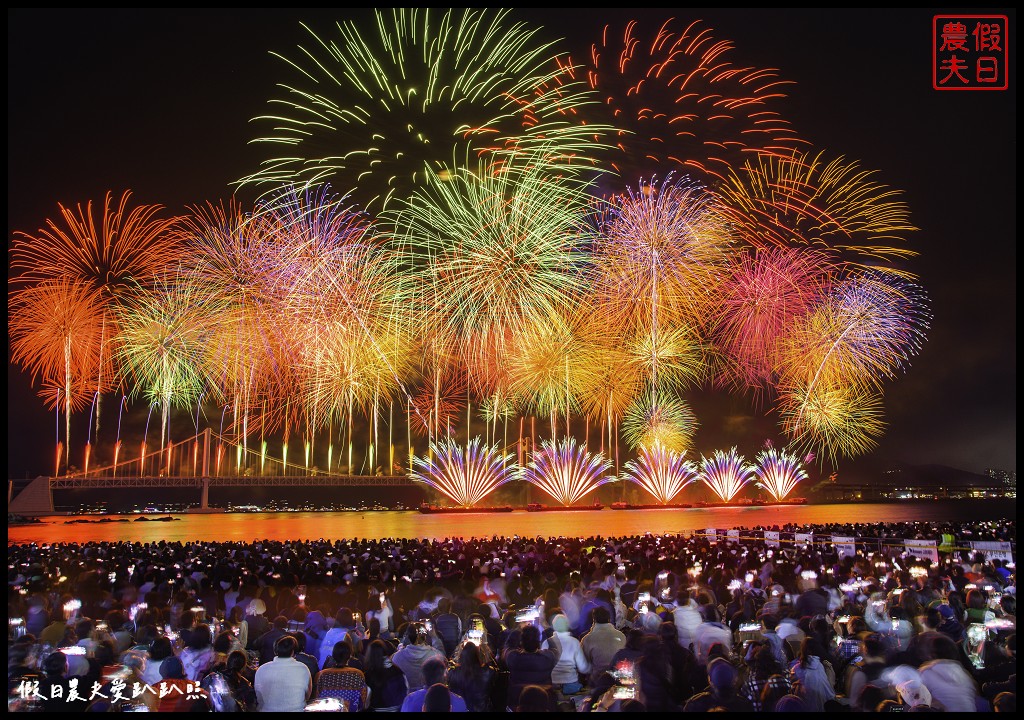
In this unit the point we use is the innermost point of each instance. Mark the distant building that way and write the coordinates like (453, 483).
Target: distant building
(918, 482)
(1007, 477)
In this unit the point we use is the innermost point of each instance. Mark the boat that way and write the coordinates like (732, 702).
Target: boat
(743, 502)
(786, 501)
(439, 509)
(647, 506)
(538, 507)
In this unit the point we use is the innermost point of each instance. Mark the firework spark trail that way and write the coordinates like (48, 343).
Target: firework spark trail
(567, 471)
(836, 208)
(662, 472)
(725, 473)
(466, 475)
(678, 99)
(392, 107)
(779, 471)
(124, 248)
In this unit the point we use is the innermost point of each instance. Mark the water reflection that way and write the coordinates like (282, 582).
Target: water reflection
(607, 522)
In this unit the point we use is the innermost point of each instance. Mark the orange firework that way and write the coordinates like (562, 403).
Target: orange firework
(677, 98)
(834, 207)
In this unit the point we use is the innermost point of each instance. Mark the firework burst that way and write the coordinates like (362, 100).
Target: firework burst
(725, 473)
(835, 207)
(495, 252)
(839, 420)
(766, 294)
(162, 333)
(406, 102)
(778, 471)
(118, 251)
(678, 98)
(661, 472)
(466, 475)
(865, 331)
(567, 471)
(659, 256)
(663, 419)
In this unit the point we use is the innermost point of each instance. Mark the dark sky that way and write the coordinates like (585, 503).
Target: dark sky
(159, 102)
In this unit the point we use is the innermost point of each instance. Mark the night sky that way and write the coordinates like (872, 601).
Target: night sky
(159, 102)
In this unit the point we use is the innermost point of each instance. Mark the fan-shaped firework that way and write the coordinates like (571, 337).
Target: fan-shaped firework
(466, 475)
(766, 294)
(385, 109)
(663, 418)
(677, 97)
(659, 257)
(836, 208)
(567, 471)
(833, 419)
(725, 473)
(661, 472)
(779, 472)
(495, 252)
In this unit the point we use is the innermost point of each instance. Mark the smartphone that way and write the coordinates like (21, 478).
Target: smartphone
(430, 625)
(644, 597)
(624, 692)
(474, 636)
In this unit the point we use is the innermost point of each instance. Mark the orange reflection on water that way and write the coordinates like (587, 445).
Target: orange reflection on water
(412, 524)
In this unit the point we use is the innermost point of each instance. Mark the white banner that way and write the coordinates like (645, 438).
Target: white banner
(733, 535)
(845, 546)
(712, 534)
(924, 549)
(771, 538)
(992, 549)
(803, 539)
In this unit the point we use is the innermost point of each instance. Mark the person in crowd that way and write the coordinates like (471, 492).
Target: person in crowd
(722, 691)
(765, 670)
(343, 681)
(534, 699)
(529, 665)
(228, 688)
(952, 688)
(414, 653)
(473, 679)
(435, 672)
(198, 656)
(447, 625)
(571, 663)
(283, 684)
(386, 682)
(602, 642)
(810, 676)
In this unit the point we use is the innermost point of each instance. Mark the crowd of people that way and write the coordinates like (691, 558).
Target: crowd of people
(761, 622)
